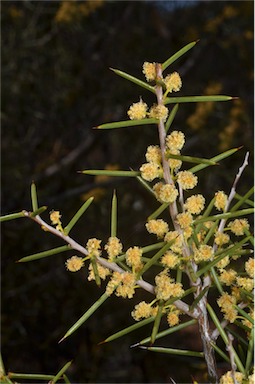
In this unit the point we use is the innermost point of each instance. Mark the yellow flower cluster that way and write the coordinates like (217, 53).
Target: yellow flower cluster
(93, 247)
(143, 310)
(186, 179)
(55, 219)
(166, 287)
(195, 204)
(137, 111)
(165, 193)
(159, 112)
(113, 247)
(245, 283)
(227, 378)
(122, 283)
(249, 267)
(150, 171)
(173, 82)
(134, 258)
(149, 70)
(226, 302)
(177, 245)
(170, 260)
(153, 154)
(238, 226)
(175, 141)
(102, 272)
(184, 219)
(221, 238)
(220, 200)
(158, 227)
(227, 276)
(174, 164)
(223, 262)
(74, 264)
(203, 253)
(173, 316)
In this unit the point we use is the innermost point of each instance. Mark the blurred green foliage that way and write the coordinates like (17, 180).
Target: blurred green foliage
(57, 86)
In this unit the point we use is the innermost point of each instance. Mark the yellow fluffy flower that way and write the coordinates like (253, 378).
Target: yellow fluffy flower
(175, 141)
(102, 272)
(220, 200)
(228, 379)
(238, 226)
(245, 283)
(137, 111)
(174, 164)
(74, 264)
(165, 193)
(159, 112)
(170, 260)
(141, 310)
(195, 204)
(134, 257)
(153, 154)
(184, 219)
(166, 287)
(173, 82)
(158, 227)
(249, 267)
(227, 276)
(221, 238)
(150, 171)
(149, 70)
(203, 253)
(113, 247)
(93, 247)
(177, 245)
(186, 179)
(226, 302)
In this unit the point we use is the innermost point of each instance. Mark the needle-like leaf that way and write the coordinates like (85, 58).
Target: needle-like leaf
(178, 54)
(77, 216)
(134, 80)
(127, 123)
(41, 255)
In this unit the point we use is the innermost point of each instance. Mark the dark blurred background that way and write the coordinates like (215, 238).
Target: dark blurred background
(57, 86)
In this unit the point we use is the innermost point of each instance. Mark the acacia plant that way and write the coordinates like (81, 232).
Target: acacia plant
(200, 246)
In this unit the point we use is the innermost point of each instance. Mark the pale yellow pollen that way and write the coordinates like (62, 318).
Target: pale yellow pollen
(174, 164)
(177, 245)
(227, 378)
(159, 112)
(113, 247)
(203, 253)
(102, 272)
(93, 247)
(184, 219)
(158, 227)
(153, 154)
(165, 193)
(170, 260)
(150, 171)
(74, 264)
(141, 310)
(249, 267)
(173, 82)
(137, 111)
(55, 217)
(226, 302)
(173, 316)
(166, 288)
(175, 141)
(238, 226)
(149, 70)
(221, 238)
(186, 179)
(227, 276)
(245, 283)
(220, 200)
(134, 257)
(195, 204)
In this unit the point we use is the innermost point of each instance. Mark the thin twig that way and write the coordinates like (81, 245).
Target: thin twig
(112, 266)
(229, 348)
